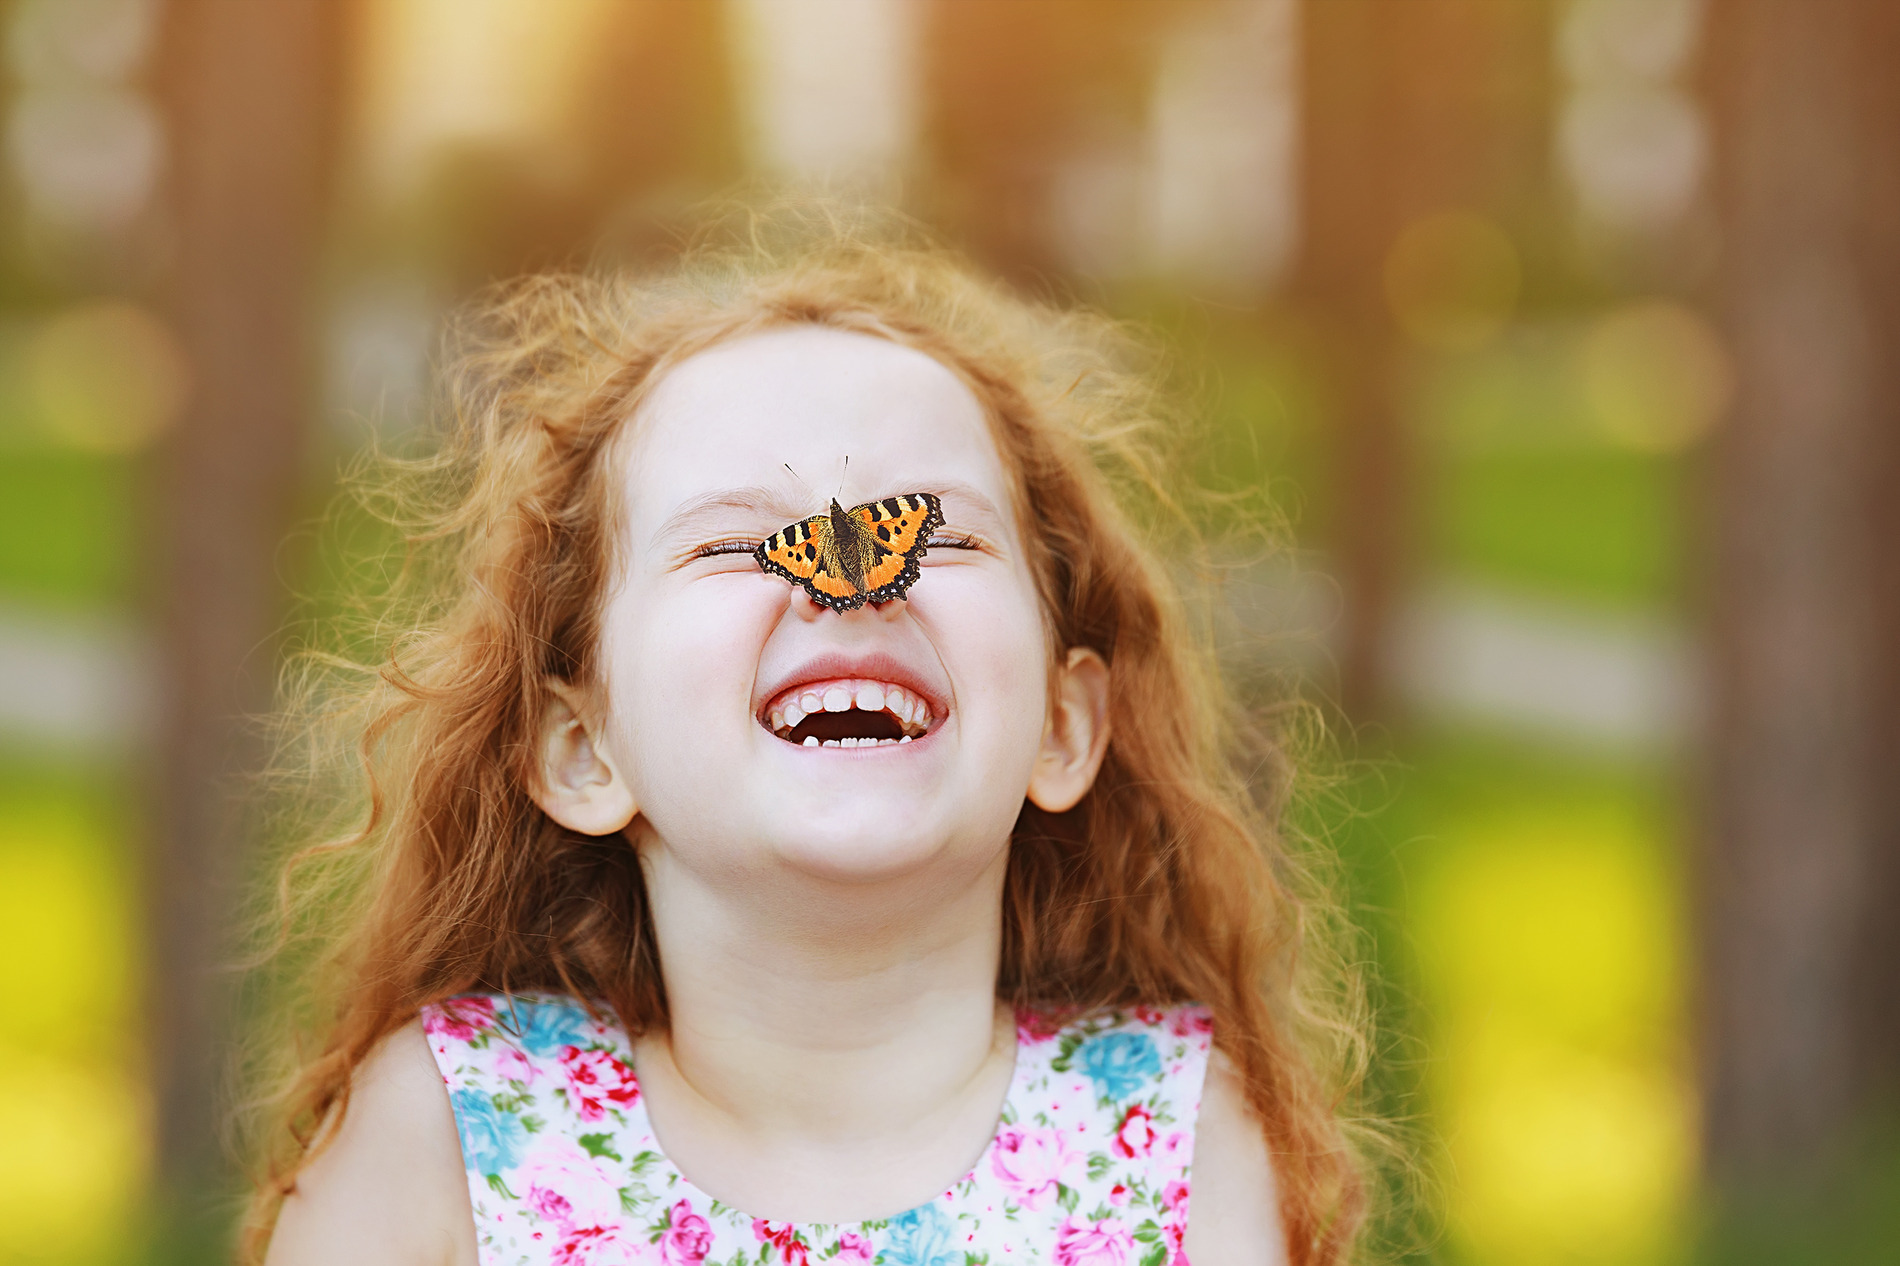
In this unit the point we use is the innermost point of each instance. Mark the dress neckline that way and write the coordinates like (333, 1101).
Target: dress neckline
(1020, 1070)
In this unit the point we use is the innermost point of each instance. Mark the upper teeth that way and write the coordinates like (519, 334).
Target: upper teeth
(791, 708)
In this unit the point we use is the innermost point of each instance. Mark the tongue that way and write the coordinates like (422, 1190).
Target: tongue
(848, 724)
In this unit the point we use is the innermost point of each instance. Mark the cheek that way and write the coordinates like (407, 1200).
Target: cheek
(679, 667)
(995, 644)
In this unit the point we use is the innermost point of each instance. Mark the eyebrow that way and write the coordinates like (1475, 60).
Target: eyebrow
(774, 506)
(767, 503)
(954, 494)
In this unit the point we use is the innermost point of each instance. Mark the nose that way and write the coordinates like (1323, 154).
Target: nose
(808, 608)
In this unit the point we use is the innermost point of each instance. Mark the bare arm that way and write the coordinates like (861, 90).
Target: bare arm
(389, 1190)
(1234, 1212)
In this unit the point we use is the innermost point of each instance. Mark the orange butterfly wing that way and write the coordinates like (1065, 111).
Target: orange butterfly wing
(795, 552)
(902, 527)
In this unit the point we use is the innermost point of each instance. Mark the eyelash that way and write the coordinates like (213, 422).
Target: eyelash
(954, 540)
(725, 547)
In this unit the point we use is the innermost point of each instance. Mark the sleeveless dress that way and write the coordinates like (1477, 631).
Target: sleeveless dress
(1089, 1165)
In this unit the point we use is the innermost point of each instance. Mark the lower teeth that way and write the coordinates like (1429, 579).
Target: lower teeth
(814, 741)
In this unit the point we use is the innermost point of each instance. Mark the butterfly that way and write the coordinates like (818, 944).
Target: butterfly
(846, 558)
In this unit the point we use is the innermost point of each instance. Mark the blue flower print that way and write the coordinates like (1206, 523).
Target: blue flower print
(543, 1028)
(1119, 1063)
(491, 1139)
(925, 1236)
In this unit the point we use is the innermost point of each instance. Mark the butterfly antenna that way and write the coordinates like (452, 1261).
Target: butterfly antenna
(800, 478)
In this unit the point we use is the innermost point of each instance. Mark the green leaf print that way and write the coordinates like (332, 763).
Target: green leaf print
(1099, 1164)
(1066, 1197)
(1147, 1232)
(1156, 1256)
(501, 1188)
(1070, 1041)
(599, 1145)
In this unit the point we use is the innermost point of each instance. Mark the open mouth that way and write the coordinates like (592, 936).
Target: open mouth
(848, 712)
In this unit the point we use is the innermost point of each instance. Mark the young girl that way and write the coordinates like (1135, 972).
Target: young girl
(727, 896)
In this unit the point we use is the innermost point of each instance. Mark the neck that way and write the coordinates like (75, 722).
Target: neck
(812, 1009)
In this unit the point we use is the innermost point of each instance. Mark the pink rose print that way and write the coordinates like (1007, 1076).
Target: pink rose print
(1150, 1016)
(1033, 1027)
(688, 1237)
(854, 1249)
(1031, 1163)
(570, 1188)
(1135, 1136)
(459, 1018)
(1083, 1243)
(782, 1236)
(1174, 1197)
(1118, 1195)
(601, 1246)
(595, 1079)
(512, 1065)
(1189, 1021)
(551, 1205)
(1176, 1153)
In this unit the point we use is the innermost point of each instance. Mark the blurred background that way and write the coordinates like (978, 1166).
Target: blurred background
(1562, 333)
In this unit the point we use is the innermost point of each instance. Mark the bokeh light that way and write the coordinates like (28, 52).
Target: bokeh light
(1630, 136)
(1549, 946)
(106, 377)
(1655, 376)
(72, 1106)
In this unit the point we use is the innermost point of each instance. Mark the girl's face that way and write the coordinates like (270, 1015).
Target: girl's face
(709, 661)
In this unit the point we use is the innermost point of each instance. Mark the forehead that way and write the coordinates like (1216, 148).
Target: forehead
(738, 414)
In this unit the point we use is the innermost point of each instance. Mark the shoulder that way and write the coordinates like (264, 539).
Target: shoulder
(1234, 1214)
(389, 1187)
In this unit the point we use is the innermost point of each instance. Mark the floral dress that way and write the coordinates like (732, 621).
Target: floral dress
(1089, 1165)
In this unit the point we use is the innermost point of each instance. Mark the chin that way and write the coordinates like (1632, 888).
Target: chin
(870, 842)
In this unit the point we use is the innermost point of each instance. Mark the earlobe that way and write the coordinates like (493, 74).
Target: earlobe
(1075, 738)
(578, 785)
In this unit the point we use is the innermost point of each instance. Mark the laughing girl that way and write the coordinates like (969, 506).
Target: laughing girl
(802, 827)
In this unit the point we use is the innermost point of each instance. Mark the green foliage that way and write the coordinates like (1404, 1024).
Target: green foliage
(71, 528)
(599, 1145)
(1849, 1217)
(1595, 523)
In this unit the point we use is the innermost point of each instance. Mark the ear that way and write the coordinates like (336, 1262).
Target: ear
(1076, 735)
(578, 784)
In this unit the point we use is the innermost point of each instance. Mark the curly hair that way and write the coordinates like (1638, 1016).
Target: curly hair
(1171, 880)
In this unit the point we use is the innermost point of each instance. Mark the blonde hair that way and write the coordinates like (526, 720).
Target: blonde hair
(1169, 882)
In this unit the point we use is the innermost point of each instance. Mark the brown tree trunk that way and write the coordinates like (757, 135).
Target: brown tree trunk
(250, 88)
(1013, 88)
(1798, 877)
(1410, 108)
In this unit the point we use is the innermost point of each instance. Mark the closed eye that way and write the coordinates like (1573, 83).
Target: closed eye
(953, 540)
(725, 547)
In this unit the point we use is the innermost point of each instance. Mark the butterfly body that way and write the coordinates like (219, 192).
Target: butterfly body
(846, 558)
